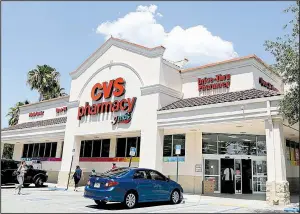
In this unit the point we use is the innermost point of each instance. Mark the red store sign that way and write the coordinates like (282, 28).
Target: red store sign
(267, 85)
(63, 109)
(38, 113)
(219, 81)
(106, 90)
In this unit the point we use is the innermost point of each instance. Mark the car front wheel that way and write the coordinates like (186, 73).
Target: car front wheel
(39, 182)
(175, 197)
(130, 200)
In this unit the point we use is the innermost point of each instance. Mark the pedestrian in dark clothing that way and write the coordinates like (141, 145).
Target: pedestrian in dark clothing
(114, 166)
(77, 176)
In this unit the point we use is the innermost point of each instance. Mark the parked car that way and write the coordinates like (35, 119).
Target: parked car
(131, 186)
(35, 176)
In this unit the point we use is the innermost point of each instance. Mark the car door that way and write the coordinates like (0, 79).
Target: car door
(161, 185)
(4, 177)
(10, 167)
(144, 185)
(29, 174)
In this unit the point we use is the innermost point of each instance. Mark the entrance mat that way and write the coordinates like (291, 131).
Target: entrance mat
(56, 189)
(292, 210)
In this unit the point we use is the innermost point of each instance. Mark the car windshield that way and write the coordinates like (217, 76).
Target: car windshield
(115, 172)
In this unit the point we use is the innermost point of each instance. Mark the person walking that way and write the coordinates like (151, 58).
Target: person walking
(20, 177)
(77, 176)
(114, 166)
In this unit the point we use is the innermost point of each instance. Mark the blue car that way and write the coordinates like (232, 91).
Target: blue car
(131, 186)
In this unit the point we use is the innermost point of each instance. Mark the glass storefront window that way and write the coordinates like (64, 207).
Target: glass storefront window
(179, 139)
(237, 144)
(261, 146)
(170, 142)
(209, 143)
(167, 146)
(259, 168)
(212, 172)
(211, 167)
(259, 184)
(233, 144)
(39, 150)
(124, 144)
(215, 179)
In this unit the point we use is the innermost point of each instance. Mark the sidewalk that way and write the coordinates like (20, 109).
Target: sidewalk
(257, 205)
(199, 200)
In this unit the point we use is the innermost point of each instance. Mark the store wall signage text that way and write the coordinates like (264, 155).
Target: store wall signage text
(219, 81)
(35, 114)
(106, 90)
(267, 85)
(126, 118)
(62, 109)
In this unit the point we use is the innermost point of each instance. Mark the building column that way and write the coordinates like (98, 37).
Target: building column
(70, 143)
(198, 160)
(277, 187)
(18, 150)
(2, 147)
(112, 148)
(59, 149)
(151, 151)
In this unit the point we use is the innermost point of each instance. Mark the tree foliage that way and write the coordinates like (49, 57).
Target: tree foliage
(14, 113)
(286, 52)
(8, 151)
(45, 80)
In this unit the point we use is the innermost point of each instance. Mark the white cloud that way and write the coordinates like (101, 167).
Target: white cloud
(195, 43)
(159, 15)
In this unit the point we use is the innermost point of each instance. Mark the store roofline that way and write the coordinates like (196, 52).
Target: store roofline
(105, 43)
(36, 124)
(252, 56)
(44, 101)
(230, 98)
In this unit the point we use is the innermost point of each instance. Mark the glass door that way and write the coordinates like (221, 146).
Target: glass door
(238, 175)
(212, 172)
(259, 176)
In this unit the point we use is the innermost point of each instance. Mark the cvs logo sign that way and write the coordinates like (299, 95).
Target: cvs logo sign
(107, 89)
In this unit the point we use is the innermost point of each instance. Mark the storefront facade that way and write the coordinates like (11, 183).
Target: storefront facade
(224, 115)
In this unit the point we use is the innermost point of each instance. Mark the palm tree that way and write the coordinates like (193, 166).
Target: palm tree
(14, 113)
(43, 79)
(54, 92)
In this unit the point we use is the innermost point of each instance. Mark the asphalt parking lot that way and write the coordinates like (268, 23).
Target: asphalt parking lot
(46, 200)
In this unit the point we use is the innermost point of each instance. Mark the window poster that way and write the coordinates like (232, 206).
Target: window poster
(287, 153)
(297, 156)
(292, 156)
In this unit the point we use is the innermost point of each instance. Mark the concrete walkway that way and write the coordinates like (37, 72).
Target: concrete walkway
(255, 202)
(58, 200)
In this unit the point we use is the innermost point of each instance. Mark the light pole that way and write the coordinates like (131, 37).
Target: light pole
(73, 152)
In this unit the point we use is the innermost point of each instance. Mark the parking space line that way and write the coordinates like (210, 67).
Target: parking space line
(236, 208)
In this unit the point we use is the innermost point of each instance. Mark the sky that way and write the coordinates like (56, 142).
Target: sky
(64, 34)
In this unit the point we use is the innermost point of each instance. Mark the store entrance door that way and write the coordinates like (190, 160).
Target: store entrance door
(227, 179)
(246, 176)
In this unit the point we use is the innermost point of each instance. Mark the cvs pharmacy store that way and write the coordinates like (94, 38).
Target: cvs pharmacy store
(223, 115)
